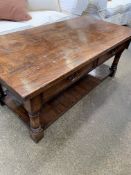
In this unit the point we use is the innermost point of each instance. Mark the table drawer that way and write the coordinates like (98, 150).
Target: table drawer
(112, 53)
(107, 56)
(75, 76)
(66, 82)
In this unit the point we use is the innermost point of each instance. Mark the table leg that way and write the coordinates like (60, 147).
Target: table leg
(33, 108)
(114, 66)
(2, 95)
(36, 131)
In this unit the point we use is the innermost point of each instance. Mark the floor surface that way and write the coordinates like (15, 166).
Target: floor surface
(93, 138)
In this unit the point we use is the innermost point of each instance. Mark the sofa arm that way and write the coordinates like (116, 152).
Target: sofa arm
(106, 13)
(75, 7)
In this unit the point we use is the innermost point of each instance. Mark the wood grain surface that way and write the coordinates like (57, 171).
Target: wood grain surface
(33, 60)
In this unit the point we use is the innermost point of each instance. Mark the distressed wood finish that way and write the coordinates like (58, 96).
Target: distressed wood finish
(58, 105)
(40, 67)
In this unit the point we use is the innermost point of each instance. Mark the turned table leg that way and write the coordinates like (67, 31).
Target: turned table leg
(114, 66)
(33, 107)
(36, 131)
(2, 95)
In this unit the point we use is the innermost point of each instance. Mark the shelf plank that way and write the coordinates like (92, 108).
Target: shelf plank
(56, 107)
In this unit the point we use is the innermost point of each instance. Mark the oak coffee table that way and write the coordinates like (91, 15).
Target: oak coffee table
(45, 70)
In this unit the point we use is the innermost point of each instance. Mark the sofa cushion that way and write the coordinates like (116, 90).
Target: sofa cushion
(38, 18)
(120, 9)
(46, 17)
(10, 26)
(35, 5)
(116, 3)
(114, 8)
(118, 12)
(12, 10)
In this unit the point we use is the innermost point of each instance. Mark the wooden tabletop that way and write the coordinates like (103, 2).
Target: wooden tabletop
(31, 60)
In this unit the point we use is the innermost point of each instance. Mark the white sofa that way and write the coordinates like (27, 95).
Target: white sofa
(45, 12)
(50, 11)
(42, 12)
(123, 8)
(115, 11)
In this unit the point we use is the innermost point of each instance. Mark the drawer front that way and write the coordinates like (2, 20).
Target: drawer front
(66, 82)
(112, 53)
(107, 56)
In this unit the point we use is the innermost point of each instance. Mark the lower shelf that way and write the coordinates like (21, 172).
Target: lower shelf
(60, 104)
